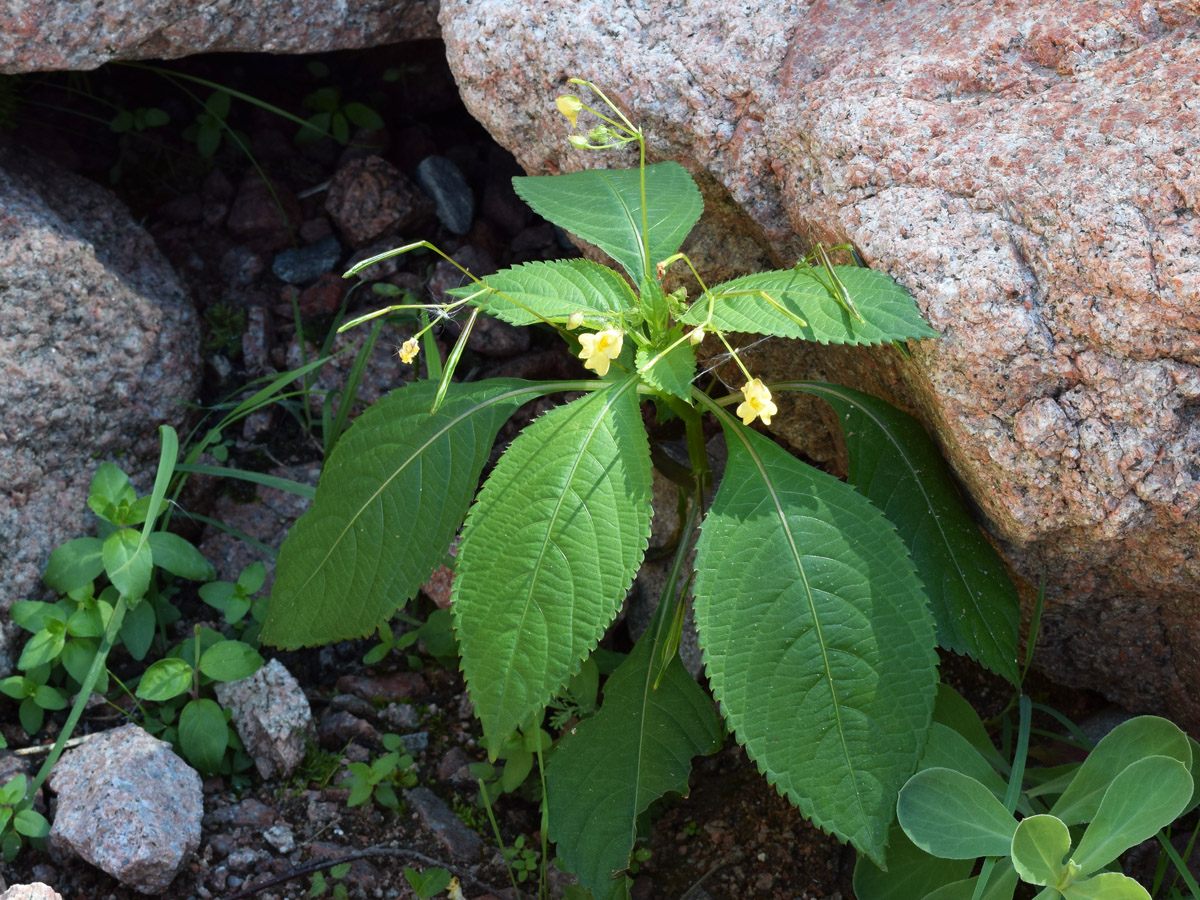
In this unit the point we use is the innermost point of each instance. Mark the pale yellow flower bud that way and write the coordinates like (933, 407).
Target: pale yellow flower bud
(757, 402)
(598, 350)
(574, 321)
(570, 106)
(696, 336)
(409, 350)
(578, 140)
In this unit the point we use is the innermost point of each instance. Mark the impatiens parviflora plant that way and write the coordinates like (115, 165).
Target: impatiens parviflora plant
(819, 604)
(1076, 819)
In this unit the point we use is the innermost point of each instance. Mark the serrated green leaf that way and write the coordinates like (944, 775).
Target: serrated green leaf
(203, 735)
(179, 557)
(558, 289)
(550, 548)
(1147, 795)
(953, 816)
(670, 371)
(816, 637)
(392, 495)
(888, 309)
(74, 564)
(611, 767)
(128, 562)
(604, 207)
(911, 874)
(1039, 849)
(896, 465)
(1130, 741)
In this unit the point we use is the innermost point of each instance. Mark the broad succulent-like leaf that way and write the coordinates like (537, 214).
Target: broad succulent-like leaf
(1039, 849)
(953, 816)
(393, 494)
(1129, 742)
(816, 637)
(1002, 885)
(557, 289)
(1148, 795)
(611, 767)
(801, 295)
(1106, 886)
(604, 207)
(550, 548)
(896, 465)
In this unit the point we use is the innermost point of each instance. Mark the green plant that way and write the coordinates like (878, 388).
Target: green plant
(818, 627)
(319, 886)
(331, 115)
(428, 883)
(379, 780)
(1076, 818)
(522, 860)
(17, 821)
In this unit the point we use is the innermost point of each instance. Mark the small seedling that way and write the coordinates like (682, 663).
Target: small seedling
(379, 780)
(428, 883)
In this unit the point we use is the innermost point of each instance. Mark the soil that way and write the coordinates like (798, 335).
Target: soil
(733, 836)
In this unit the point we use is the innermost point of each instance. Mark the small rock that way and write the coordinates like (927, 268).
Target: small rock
(36, 891)
(240, 266)
(453, 767)
(250, 813)
(368, 197)
(320, 298)
(364, 709)
(401, 718)
(440, 586)
(243, 859)
(272, 716)
(128, 805)
(417, 742)
(460, 842)
(305, 264)
(491, 337)
(390, 688)
(261, 217)
(453, 200)
(255, 339)
(337, 727)
(281, 838)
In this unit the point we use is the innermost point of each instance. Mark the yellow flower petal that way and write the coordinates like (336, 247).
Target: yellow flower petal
(409, 350)
(756, 403)
(598, 350)
(570, 106)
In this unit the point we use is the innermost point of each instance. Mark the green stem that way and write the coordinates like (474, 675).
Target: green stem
(111, 632)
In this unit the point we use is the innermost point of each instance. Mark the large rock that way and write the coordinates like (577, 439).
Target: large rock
(128, 805)
(1030, 171)
(98, 347)
(44, 35)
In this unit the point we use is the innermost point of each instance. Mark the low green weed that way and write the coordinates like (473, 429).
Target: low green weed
(818, 603)
(428, 883)
(331, 115)
(380, 780)
(521, 860)
(319, 886)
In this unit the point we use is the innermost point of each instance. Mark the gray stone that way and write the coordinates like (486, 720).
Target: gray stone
(304, 264)
(1030, 171)
(417, 742)
(98, 347)
(272, 717)
(463, 844)
(36, 891)
(43, 35)
(281, 838)
(452, 197)
(128, 805)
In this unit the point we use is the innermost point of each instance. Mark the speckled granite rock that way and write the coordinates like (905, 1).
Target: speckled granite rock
(128, 805)
(42, 35)
(272, 716)
(98, 347)
(1030, 171)
(36, 891)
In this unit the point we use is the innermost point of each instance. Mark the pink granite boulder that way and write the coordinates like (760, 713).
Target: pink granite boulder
(1030, 171)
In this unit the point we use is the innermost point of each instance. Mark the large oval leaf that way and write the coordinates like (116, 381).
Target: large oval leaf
(550, 548)
(816, 637)
(391, 497)
(535, 291)
(802, 305)
(609, 769)
(911, 873)
(953, 816)
(604, 207)
(895, 464)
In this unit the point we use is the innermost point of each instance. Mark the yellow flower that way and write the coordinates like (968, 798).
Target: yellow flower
(757, 402)
(409, 350)
(454, 890)
(598, 350)
(570, 106)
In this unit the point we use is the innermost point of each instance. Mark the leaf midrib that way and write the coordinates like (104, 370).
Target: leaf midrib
(762, 470)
